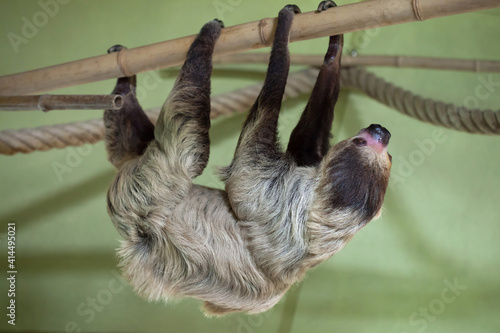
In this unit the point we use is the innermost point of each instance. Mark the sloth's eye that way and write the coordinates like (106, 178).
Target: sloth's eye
(359, 142)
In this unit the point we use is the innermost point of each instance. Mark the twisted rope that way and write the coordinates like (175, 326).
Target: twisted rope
(439, 113)
(434, 112)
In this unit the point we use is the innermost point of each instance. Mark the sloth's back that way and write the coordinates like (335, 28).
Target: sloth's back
(222, 270)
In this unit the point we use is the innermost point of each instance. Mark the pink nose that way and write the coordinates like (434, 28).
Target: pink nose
(376, 135)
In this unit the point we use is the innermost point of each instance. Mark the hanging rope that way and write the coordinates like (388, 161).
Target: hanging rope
(434, 112)
(439, 113)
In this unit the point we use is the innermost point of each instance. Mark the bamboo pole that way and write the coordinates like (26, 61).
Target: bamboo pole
(60, 102)
(358, 16)
(471, 65)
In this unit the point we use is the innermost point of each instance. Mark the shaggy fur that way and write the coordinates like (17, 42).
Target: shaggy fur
(282, 212)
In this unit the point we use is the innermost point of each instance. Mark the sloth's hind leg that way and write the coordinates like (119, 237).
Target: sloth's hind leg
(145, 191)
(184, 121)
(310, 140)
(128, 131)
(144, 194)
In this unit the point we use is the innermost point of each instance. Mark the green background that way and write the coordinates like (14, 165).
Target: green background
(441, 219)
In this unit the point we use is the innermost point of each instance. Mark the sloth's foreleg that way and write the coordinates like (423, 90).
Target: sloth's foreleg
(128, 131)
(259, 134)
(310, 140)
(256, 180)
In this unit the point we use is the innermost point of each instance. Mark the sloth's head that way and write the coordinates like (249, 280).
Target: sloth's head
(355, 174)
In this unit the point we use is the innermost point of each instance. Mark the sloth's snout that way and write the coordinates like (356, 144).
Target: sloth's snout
(376, 136)
(378, 133)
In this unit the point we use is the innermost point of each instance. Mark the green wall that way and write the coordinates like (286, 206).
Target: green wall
(440, 225)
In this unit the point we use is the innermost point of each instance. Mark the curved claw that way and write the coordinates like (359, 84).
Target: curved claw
(293, 8)
(324, 5)
(116, 48)
(220, 22)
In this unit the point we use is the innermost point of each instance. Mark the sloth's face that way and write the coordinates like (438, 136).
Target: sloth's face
(357, 171)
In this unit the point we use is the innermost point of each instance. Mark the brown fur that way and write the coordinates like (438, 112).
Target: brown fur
(282, 212)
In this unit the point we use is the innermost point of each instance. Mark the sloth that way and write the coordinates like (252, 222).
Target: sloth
(282, 211)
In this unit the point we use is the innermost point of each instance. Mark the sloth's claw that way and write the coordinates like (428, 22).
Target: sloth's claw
(293, 8)
(324, 5)
(116, 48)
(220, 22)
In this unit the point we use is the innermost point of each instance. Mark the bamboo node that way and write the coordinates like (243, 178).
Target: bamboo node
(122, 64)
(262, 25)
(399, 61)
(417, 9)
(41, 103)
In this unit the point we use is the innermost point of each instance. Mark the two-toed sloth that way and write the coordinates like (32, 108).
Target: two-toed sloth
(282, 212)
